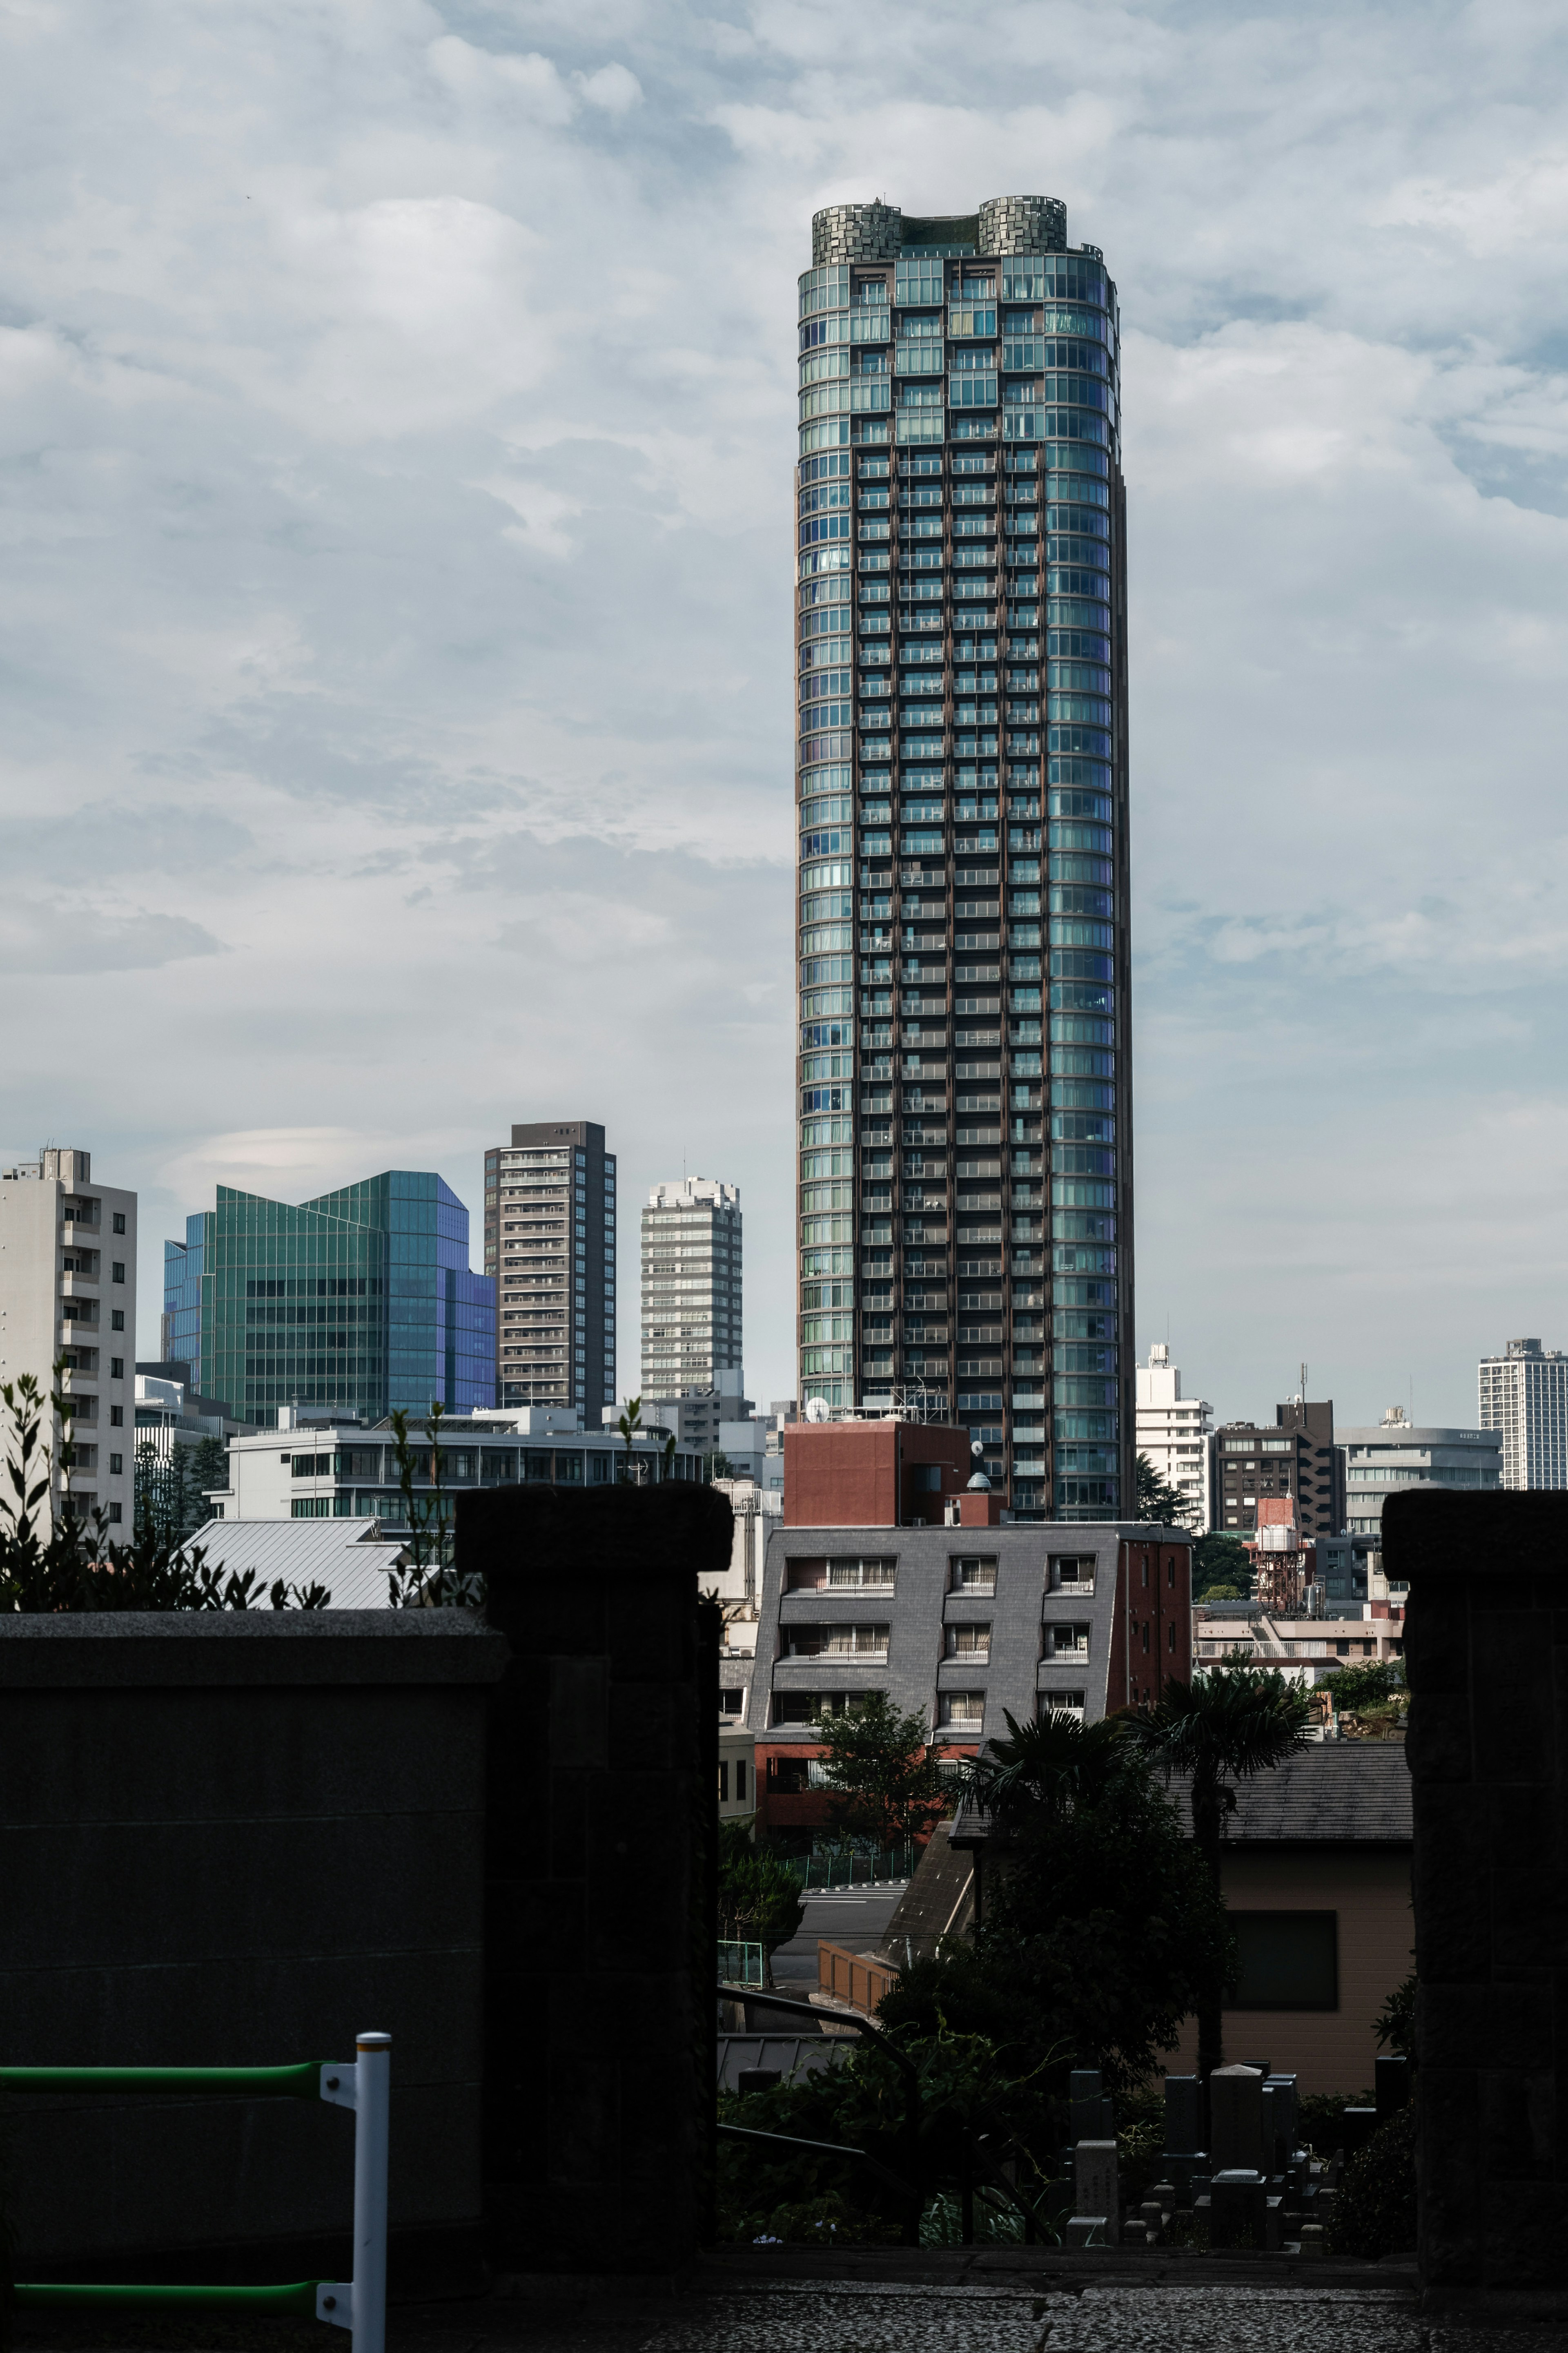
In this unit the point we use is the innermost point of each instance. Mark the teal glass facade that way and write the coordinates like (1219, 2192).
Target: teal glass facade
(361, 1298)
(964, 1107)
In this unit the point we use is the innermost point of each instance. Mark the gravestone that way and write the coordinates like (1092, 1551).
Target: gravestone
(1086, 2090)
(1486, 1657)
(1238, 2208)
(1094, 2183)
(1235, 2119)
(1391, 2078)
(1184, 2114)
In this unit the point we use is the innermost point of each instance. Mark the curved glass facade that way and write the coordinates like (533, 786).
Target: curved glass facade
(965, 1174)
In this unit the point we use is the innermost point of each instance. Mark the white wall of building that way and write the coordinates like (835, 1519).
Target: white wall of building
(67, 1290)
(691, 1287)
(1524, 1395)
(1173, 1432)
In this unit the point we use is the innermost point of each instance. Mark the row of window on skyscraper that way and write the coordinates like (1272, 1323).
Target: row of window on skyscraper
(961, 765)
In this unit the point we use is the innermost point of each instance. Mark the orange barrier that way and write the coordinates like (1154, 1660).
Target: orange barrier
(846, 1977)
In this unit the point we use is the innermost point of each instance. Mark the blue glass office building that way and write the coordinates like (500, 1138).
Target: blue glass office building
(965, 1174)
(361, 1298)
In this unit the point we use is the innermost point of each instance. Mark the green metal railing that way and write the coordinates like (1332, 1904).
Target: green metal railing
(362, 2085)
(739, 1964)
(843, 1867)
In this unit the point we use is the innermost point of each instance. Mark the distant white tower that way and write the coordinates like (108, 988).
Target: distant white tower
(692, 1337)
(1173, 1432)
(1524, 1394)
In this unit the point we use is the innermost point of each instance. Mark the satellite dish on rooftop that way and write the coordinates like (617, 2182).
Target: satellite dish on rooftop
(816, 1409)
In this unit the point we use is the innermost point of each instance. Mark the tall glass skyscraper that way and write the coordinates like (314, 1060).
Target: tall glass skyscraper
(966, 1144)
(362, 1299)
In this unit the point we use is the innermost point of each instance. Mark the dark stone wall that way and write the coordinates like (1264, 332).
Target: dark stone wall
(1487, 1660)
(237, 1839)
(600, 2014)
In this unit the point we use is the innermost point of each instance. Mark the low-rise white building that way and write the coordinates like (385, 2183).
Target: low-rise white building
(317, 1466)
(1397, 1454)
(1305, 1650)
(68, 1298)
(1173, 1432)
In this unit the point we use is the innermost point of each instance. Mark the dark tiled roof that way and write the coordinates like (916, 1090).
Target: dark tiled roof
(1354, 1791)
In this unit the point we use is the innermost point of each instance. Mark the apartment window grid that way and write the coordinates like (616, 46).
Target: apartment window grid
(961, 791)
(550, 1243)
(1524, 1395)
(692, 1286)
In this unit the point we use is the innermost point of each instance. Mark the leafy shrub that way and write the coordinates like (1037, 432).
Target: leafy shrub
(825, 2221)
(1374, 2213)
(1318, 2119)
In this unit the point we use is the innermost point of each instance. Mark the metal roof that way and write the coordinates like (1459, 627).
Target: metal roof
(350, 1557)
(803, 2054)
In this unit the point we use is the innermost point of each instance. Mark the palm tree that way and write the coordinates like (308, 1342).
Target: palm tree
(1051, 1766)
(1220, 1727)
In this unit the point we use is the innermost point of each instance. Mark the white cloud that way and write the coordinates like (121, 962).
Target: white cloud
(396, 422)
(613, 88)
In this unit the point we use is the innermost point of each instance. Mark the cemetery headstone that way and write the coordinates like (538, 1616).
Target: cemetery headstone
(1238, 2208)
(1235, 2119)
(1391, 2078)
(1094, 2179)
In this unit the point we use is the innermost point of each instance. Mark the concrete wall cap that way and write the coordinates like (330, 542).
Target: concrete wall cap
(241, 1646)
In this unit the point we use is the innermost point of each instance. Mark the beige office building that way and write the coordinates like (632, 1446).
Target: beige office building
(67, 1299)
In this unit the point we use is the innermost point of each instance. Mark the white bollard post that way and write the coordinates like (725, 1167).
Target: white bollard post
(372, 2101)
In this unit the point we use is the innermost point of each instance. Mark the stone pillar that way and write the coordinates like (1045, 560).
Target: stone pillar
(1486, 1648)
(600, 2016)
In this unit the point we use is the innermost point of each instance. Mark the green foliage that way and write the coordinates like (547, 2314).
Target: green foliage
(1101, 1927)
(174, 1487)
(828, 2221)
(1396, 2022)
(971, 2093)
(1052, 1765)
(1374, 2213)
(1222, 1568)
(430, 1578)
(1156, 1498)
(78, 1565)
(882, 1780)
(758, 1895)
(1318, 2114)
(1225, 1726)
(1367, 1684)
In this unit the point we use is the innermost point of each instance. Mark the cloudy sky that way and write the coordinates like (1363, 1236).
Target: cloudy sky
(396, 419)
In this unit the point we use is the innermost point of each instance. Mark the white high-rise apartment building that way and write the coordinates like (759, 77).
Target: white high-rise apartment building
(691, 1287)
(1524, 1395)
(1173, 1432)
(68, 1298)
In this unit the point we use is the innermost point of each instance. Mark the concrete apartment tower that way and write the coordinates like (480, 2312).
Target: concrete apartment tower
(691, 1301)
(1524, 1394)
(550, 1242)
(1173, 1432)
(965, 1152)
(68, 1297)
